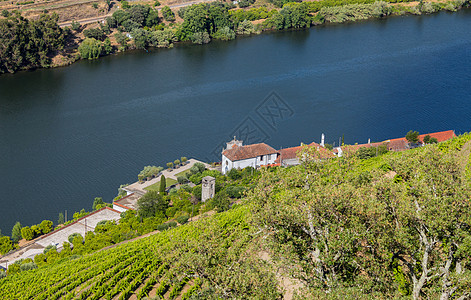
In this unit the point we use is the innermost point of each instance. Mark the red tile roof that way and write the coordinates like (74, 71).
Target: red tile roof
(402, 144)
(248, 151)
(290, 153)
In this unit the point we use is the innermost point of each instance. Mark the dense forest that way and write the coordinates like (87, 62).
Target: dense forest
(26, 44)
(396, 225)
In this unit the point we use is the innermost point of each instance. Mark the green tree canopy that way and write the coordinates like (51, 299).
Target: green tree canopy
(394, 236)
(16, 232)
(26, 44)
(27, 233)
(46, 226)
(98, 203)
(412, 137)
(90, 48)
(147, 204)
(5, 245)
(163, 185)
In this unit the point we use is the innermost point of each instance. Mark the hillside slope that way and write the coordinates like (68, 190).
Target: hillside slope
(393, 226)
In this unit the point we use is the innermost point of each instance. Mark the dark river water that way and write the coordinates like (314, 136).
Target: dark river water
(70, 134)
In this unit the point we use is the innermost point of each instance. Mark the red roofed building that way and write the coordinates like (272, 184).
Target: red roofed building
(236, 156)
(400, 144)
(288, 156)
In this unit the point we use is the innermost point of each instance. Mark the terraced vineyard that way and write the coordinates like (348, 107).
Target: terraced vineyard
(173, 264)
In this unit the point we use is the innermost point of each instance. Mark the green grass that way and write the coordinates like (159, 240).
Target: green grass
(156, 186)
(182, 173)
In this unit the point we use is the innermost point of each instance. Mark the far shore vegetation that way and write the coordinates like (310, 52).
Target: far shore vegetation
(141, 26)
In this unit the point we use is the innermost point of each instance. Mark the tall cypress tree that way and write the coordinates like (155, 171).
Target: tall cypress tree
(163, 185)
(16, 232)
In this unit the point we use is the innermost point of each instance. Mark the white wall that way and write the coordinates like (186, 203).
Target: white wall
(119, 208)
(254, 162)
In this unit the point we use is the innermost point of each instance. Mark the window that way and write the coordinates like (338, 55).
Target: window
(261, 157)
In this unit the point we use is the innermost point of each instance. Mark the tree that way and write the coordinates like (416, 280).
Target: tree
(98, 203)
(27, 44)
(72, 237)
(245, 27)
(27, 233)
(225, 34)
(140, 38)
(163, 185)
(16, 232)
(60, 219)
(200, 38)
(94, 33)
(46, 226)
(182, 179)
(121, 39)
(184, 159)
(36, 230)
(90, 48)
(413, 235)
(170, 165)
(147, 204)
(5, 245)
(412, 137)
(107, 47)
(75, 25)
(176, 162)
(168, 14)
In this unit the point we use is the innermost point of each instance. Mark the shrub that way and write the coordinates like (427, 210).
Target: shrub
(245, 27)
(72, 237)
(27, 233)
(234, 174)
(177, 162)
(5, 245)
(129, 25)
(197, 192)
(168, 14)
(182, 219)
(200, 38)
(182, 179)
(28, 266)
(225, 34)
(46, 226)
(75, 25)
(245, 3)
(200, 166)
(5, 13)
(3, 274)
(172, 224)
(94, 33)
(427, 8)
(235, 191)
(162, 227)
(90, 48)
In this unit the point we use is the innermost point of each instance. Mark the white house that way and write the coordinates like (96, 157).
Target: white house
(239, 157)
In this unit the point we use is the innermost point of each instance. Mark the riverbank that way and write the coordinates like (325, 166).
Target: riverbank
(140, 26)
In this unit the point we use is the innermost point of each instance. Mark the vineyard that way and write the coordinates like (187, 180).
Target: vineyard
(173, 264)
(364, 210)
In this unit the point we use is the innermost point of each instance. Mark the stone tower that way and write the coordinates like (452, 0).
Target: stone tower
(207, 188)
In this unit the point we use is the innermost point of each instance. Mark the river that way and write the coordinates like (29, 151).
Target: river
(74, 133)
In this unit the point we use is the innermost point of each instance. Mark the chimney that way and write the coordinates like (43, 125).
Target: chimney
(369, 141)
(322, 140)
